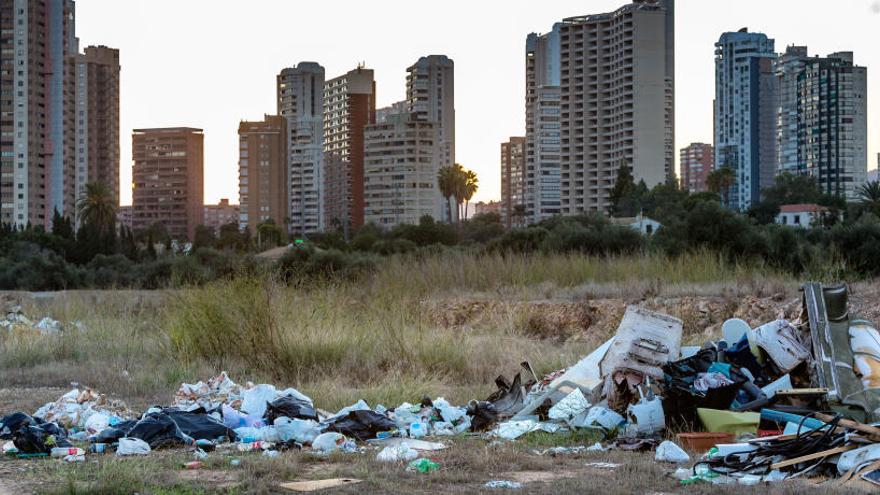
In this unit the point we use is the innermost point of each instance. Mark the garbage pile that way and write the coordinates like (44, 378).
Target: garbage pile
(782, 400)
(16, 322)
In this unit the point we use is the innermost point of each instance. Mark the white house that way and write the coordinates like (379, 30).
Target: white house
(802, 215)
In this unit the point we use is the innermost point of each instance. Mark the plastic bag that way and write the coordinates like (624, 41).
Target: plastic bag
(97, 422)
(397, 453)
(289, 407)
(362, 425)
(254, 399)
(159, 430)
(200, 425)
(299, 430)
(39, 439)
(11, 423)
(329, 442)
(233, 419)
(670, 452)
(573, 404)
(132, 446)
(114, 433)
(423, 466)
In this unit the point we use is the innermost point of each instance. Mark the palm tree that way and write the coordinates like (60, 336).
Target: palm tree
(869, 195)
(471, 184)
(720, 181)
(97, 208)
(446, 181)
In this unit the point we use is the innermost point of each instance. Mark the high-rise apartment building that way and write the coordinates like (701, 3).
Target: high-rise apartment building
(745, 113)
(696, 161)
(541, 177)
(97, 119)
(167, 179)
(262, 172)
(513, 182)
(37, 142)
(617, 101)
(385, 114)
(430, 96)
(788, 66)
(301, 103)
(832, 138)
(220, 214)
(401, 160)
(349, 106)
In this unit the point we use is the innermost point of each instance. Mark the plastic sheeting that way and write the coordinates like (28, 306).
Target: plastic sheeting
(573, 404)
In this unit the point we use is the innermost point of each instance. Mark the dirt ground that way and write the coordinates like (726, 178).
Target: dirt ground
(466, 466)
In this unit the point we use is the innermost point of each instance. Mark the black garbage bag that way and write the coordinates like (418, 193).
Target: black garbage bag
(159, 430)
(483, 415)
(508, 399)
(39, 439)
(113, 433)
(362, 425)
(11, 423)
(290, 407)
(200, 425)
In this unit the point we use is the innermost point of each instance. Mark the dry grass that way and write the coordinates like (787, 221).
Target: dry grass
(465, 467)
(378, 338)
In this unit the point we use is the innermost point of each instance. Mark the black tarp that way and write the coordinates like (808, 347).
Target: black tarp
(362, 425)
(159, 430)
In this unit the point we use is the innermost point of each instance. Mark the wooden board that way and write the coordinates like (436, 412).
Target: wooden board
(872, 431)
(813, 457)
(311, 486)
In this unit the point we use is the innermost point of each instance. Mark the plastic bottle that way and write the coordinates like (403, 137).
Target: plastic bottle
(66, 451)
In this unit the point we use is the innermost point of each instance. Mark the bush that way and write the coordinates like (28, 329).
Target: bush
(859, 244)
(525, 240)
(114, 271)
(28, 267)
(306, 263)
(394, 246)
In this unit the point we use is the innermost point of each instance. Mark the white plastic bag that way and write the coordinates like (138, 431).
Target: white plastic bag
(97, 422)
(255, 398)
(331, 441)
(670, 452)
(132, 446)
(397, 453)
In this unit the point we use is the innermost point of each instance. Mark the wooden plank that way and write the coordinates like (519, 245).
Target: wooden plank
(872, 431)
(802, 391)
(813, 457)
(311, 486)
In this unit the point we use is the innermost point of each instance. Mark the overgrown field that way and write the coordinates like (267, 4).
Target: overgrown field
(442, 325)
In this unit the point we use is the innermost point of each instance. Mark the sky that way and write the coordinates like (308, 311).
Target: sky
(212, 63)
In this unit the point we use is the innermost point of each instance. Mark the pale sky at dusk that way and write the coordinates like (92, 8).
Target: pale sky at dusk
(212, 63)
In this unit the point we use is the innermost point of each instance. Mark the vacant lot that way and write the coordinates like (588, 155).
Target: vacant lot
(429, 327)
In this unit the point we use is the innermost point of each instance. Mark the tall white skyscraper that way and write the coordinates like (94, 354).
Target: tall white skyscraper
(617, 101)
(745, 114)
(300, 102)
